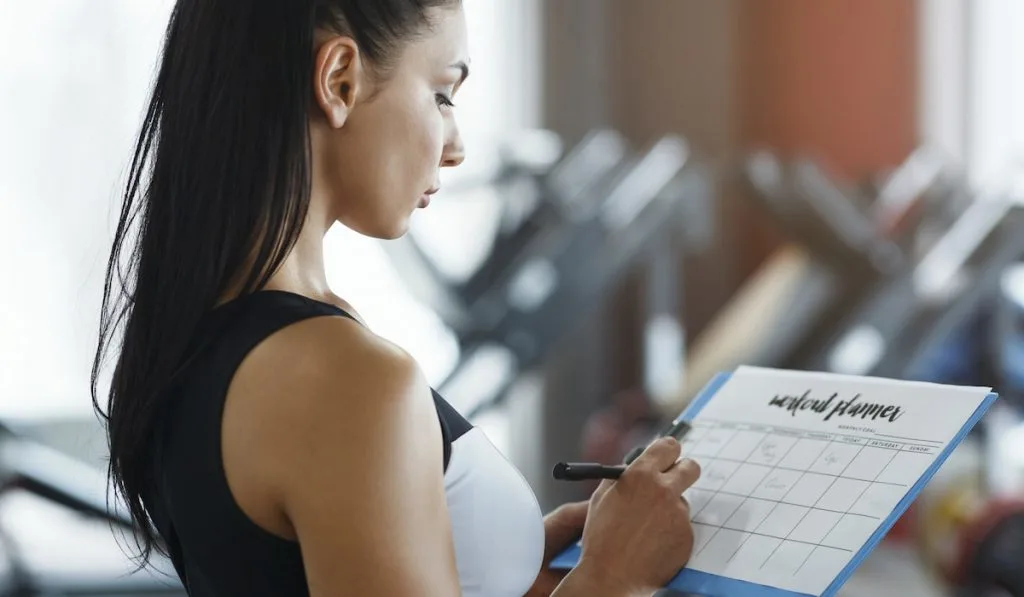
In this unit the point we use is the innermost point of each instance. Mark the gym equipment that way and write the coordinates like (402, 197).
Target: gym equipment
(861, 243)
(38, 485)
(848, 252)
(925, 194)
(837, 252)
(845, 248)
(902, 329)
(599, 212)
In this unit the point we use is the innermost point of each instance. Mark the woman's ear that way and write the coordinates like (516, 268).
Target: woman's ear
(337, 78)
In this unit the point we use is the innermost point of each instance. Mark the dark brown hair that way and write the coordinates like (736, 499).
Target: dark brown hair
(220, 172)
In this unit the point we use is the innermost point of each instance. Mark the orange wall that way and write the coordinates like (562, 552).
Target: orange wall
(835, 79)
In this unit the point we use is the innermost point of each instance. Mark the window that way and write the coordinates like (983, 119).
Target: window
(71, 102)
(972, 86)
(70, 113)
(996, 84)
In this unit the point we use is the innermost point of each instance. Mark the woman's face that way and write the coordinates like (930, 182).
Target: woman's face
(378, 148)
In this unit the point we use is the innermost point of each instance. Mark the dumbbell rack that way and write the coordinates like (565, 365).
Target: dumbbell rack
(863, 255)
(830, 259)
(907, 320)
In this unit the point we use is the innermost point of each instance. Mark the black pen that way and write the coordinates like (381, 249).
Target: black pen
(584, 471)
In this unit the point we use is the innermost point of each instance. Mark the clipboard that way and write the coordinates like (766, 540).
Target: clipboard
(820, 465)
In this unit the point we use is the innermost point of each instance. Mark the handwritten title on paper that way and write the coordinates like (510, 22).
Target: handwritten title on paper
(854, 408)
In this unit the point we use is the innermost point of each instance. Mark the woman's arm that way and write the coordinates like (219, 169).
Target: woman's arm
(364, 490)
(587, 581)
(561, 527)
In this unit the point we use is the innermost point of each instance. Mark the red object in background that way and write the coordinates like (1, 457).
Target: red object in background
(973, 535)
(902, 532)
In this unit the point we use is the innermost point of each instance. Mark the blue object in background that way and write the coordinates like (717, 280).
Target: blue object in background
(1007, 336)
(961, 358)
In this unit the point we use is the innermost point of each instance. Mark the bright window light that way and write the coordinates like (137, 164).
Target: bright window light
(72, 103)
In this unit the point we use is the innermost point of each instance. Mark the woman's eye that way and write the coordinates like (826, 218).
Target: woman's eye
(444, 100)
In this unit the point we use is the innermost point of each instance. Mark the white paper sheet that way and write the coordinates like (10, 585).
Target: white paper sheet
(800, 469)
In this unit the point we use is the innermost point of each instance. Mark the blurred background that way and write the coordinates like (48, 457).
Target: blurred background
(656, 190)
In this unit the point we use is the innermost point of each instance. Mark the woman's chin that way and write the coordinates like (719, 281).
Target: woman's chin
(393, 230)
(385, 230)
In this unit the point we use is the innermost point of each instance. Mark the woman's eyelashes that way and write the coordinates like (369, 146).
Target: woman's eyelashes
(444, 99)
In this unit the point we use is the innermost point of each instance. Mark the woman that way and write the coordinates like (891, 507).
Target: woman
(257, 428)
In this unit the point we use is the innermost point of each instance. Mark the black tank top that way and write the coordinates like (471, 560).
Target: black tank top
(217, 550)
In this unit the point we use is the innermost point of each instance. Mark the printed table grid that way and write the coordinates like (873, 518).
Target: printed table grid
(695, 514)
(819, 472)
(700, 524)
(868, 516)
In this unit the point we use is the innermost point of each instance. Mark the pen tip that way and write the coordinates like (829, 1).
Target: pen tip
(559, 471)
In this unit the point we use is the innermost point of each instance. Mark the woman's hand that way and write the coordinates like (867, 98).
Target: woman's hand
(638, 533)
(561, 527)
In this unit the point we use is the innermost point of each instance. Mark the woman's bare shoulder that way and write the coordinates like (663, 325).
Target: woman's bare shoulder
(321, 395)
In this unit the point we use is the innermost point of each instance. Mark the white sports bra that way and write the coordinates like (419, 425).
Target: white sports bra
(497, 525)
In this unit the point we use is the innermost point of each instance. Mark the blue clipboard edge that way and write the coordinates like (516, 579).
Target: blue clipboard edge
(704, 583)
